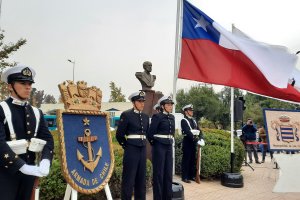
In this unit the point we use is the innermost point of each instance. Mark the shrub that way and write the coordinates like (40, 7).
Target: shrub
(215, 156)
(53, 186)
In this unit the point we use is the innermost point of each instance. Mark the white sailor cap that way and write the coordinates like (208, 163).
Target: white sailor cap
(188, 107)
(18, 73)
(165, 100)
(156, 106)
(137, 96)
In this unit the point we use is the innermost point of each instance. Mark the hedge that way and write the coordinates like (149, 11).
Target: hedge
(215, 160)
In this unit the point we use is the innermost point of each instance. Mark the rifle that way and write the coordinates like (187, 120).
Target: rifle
(198, 164)
(35, 194)
(35, 190)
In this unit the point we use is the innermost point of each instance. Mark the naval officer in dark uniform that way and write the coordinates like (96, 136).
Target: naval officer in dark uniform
(161, 136)
(131, 135)
(20, 122)
(191, 133)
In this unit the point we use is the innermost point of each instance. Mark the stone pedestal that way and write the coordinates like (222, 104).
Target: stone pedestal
(151, 99)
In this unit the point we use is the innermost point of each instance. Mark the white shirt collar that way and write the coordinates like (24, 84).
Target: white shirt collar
(136, 111)
(18, 102)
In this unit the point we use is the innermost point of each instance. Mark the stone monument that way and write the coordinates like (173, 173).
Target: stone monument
(146, 78)
(147, 81)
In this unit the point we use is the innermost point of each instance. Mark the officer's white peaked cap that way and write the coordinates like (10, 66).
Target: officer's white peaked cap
(165, 100)
(137, 96)
(18, 73)
(188, 107)
(156, 106)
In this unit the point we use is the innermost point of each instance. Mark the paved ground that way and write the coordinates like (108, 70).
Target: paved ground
(258, 185)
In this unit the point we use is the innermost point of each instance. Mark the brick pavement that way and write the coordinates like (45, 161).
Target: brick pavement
(258, 185)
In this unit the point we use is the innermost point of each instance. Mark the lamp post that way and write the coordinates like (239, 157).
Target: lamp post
(73, 62)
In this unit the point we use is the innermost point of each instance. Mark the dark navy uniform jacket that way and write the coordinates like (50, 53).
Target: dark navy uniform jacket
(186, 131)
(132, 123)
(162, 124)
(24, 127)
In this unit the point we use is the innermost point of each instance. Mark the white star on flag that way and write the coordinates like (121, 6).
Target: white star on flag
(201, 23)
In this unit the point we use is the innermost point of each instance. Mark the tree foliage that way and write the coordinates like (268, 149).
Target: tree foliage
(49, 99)
(214, 108)
(37, 97)
(5, 51)
(206, 103)
(116, 93)
(225, 95)
(255, 105)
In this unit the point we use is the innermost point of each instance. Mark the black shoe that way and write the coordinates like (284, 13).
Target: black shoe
(262, 161)
(257, 162)
(186, 181)
(250, 161)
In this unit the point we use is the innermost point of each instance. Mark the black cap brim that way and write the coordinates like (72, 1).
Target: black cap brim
(19, 77)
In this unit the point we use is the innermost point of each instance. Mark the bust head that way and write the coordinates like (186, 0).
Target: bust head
(147, 65)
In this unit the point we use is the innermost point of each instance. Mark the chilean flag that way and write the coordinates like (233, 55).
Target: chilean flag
(212, 54)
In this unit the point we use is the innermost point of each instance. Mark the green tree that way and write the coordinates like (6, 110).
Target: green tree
(49, 99)
(5, 51)
(116, 93)
(36, 97)
(206, 103)
(225, 96)
(255, 105)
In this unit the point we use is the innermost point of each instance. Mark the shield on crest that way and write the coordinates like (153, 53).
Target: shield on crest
(85, 142)
(287, 134)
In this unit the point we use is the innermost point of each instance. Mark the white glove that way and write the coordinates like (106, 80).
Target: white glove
(195, 132)
(44, 167)
(201, 142)
(31, 170)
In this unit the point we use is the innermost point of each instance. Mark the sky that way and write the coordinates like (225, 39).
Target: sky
(110, 40)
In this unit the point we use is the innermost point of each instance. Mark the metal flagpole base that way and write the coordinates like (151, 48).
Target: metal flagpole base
(233, 180)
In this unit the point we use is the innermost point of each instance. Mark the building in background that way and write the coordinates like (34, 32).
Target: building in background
(113, 108)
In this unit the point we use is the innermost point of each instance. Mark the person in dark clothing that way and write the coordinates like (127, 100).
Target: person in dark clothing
(131, 135)
(21, 123)
(263, 147)
(161, 137)
(249, 132)
(191, 133)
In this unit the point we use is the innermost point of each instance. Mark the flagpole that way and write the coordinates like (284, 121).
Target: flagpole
(231, 128)
(176, 62)
(177, 49)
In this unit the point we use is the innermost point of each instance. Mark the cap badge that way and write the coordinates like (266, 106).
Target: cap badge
(142, 94)
(26, 72)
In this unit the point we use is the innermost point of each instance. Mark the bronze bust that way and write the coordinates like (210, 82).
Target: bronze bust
(147, 80)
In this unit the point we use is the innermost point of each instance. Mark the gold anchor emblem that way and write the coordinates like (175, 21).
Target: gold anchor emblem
(87, 140)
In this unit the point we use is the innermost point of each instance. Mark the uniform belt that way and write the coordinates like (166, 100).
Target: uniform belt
(164, 136)
(136, 137)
